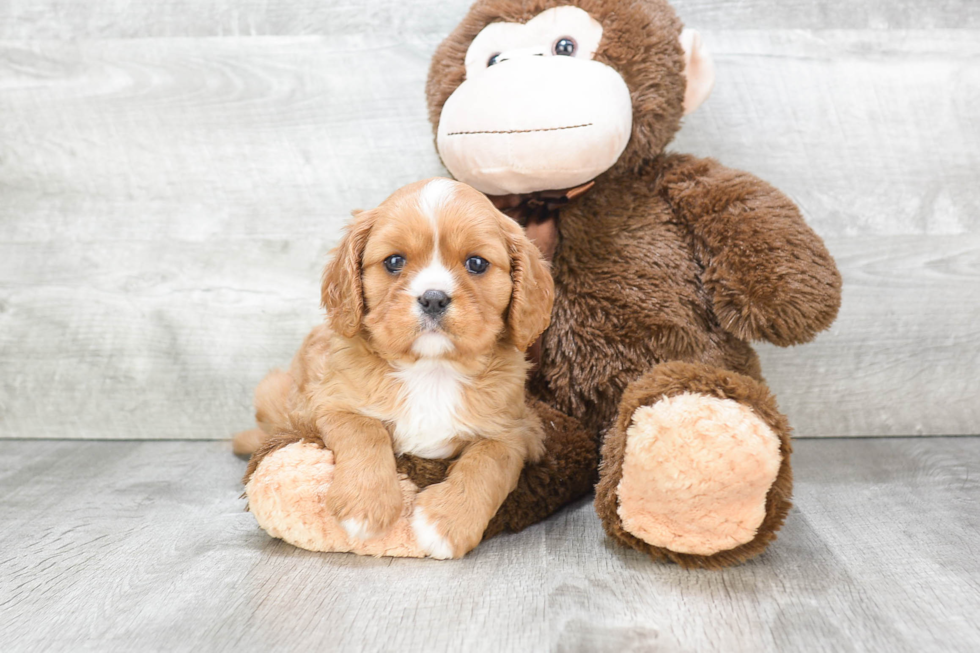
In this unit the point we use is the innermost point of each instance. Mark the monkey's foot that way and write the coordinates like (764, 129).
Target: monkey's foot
(696, 473)
(286, 496)
(696, 469)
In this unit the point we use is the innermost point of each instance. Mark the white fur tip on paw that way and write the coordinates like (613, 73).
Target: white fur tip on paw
(356, 529)
(428, 539)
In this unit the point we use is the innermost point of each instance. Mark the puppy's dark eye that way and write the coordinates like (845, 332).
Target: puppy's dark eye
(394, 263)
(477, 265)
(493, 59)
(564, 46)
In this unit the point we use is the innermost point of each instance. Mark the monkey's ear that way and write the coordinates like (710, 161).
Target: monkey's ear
(699, 70)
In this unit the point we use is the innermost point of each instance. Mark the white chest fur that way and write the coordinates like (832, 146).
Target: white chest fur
(427, 416)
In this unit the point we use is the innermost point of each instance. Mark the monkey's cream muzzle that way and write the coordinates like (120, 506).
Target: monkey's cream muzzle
(534, 122)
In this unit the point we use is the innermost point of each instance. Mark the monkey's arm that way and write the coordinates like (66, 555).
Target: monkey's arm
(770, 276)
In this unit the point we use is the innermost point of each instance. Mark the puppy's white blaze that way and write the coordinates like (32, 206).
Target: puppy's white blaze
(432, 345)
(433, 195)
(356, 529)
(434, 276)
(428, 537)
(426, 420)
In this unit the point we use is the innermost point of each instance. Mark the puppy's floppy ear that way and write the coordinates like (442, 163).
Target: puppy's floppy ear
(341, 293)
(534, 290)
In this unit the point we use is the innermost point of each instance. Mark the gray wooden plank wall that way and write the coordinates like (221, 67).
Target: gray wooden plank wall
(172, 175)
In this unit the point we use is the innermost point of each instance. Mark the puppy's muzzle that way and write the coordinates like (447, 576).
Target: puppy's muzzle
(434, 302)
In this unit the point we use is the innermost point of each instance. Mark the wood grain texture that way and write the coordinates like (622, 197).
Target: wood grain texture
(903, 356)
(168, 204)
(136, 546)
(66, 19)
(869, 132)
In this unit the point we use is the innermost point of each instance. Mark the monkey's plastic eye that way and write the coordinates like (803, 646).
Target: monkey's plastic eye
(394, 263)
(476, 265)
(565, 46)
(493, 59)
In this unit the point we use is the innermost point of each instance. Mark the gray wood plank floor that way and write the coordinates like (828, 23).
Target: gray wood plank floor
(138, 546)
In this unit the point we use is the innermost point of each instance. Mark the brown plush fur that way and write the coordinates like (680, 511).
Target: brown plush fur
(652, 281)
(663, 271)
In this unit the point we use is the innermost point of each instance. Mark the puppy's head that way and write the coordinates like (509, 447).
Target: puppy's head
(437, 271)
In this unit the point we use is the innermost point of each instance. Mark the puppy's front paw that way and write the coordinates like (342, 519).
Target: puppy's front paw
(443, 526)
(428, 536)
(357, 529)
(365, 505)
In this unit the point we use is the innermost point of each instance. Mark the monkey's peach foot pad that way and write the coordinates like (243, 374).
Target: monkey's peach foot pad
(696, 473)
(286, 496)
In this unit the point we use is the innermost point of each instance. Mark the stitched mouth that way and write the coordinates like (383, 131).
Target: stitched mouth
(521, 131)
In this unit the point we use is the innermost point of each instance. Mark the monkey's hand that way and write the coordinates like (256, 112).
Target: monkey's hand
(770, 275)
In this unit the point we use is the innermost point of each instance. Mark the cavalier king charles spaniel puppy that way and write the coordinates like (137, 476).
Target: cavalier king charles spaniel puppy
(432, 299)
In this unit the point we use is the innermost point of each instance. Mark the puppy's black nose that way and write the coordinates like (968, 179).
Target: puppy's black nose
(434, 302)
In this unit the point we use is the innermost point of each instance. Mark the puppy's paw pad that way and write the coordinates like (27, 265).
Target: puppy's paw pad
(356, 529)
(428, 537)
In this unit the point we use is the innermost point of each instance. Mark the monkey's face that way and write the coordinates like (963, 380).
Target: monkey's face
(536, 110)
(552, 93)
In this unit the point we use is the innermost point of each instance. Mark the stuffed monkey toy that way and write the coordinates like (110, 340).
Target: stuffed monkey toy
(665, 266)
